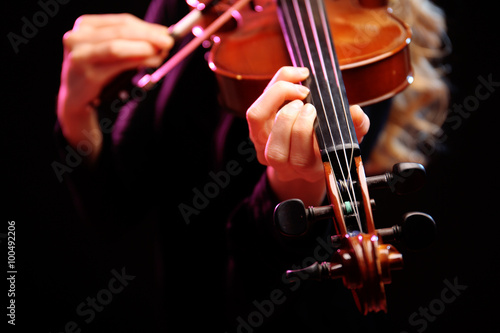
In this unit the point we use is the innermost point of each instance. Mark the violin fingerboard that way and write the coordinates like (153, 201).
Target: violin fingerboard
(309, 41)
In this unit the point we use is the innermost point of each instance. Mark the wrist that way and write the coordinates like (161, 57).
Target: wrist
(312, 193)
(80, 127)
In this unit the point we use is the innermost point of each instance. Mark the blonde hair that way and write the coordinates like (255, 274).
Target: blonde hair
(417, 114)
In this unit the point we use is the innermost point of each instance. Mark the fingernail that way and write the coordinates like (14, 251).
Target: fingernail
(304, 70)
(167, 39)
(302, 89)
(308, 109)
(297, 104)
(292, 109)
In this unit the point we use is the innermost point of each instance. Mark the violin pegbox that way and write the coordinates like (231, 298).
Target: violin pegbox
(363, 259)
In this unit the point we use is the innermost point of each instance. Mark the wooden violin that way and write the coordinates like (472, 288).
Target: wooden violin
(374, 67)
(371, 46)
(368, 62)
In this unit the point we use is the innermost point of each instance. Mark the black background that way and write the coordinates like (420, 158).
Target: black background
(61, 262)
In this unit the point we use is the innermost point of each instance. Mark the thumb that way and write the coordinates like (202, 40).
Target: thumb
(361, 122)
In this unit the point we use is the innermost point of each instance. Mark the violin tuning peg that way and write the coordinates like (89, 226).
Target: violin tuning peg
(317, 271)
(293, 219)
(416, 232)
(408, 177)
(290, 217)
(405, 178)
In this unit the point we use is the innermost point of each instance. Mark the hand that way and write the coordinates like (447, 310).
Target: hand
(282, 130)
(98, 49)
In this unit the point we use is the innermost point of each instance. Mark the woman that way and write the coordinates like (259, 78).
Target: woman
(157, 163)
(171, 160)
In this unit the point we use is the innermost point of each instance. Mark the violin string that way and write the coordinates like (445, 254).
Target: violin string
(351, 193)
(296, 55)
(300, 22)
(295, 52)
(328, 123)
(331, 53)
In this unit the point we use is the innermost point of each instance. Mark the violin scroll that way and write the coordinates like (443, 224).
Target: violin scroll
(364, 265)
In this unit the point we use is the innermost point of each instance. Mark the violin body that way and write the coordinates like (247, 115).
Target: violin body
(371, 45)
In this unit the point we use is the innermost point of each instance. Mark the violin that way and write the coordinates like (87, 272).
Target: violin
(371, 46)
(357, 52)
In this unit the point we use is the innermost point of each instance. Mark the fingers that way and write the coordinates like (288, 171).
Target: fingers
(156, 37)
(282, 128)
(96, 21)
(278, 146)
(98, 28)
(112, 37)
(101, 46)
(284, 139)
(290, 74)
(360, 121)
(114, 50)
(102, 20)
(260, 115)
(291, 148)
(282, 88)
(304, 151)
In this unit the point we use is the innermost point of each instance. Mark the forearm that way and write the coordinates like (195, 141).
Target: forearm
(80, 127)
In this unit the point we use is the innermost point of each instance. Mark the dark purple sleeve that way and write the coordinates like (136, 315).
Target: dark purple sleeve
(260, 255)
(252, 231)
(94, 189)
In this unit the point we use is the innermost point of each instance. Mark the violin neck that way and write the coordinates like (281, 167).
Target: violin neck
(309, 41)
